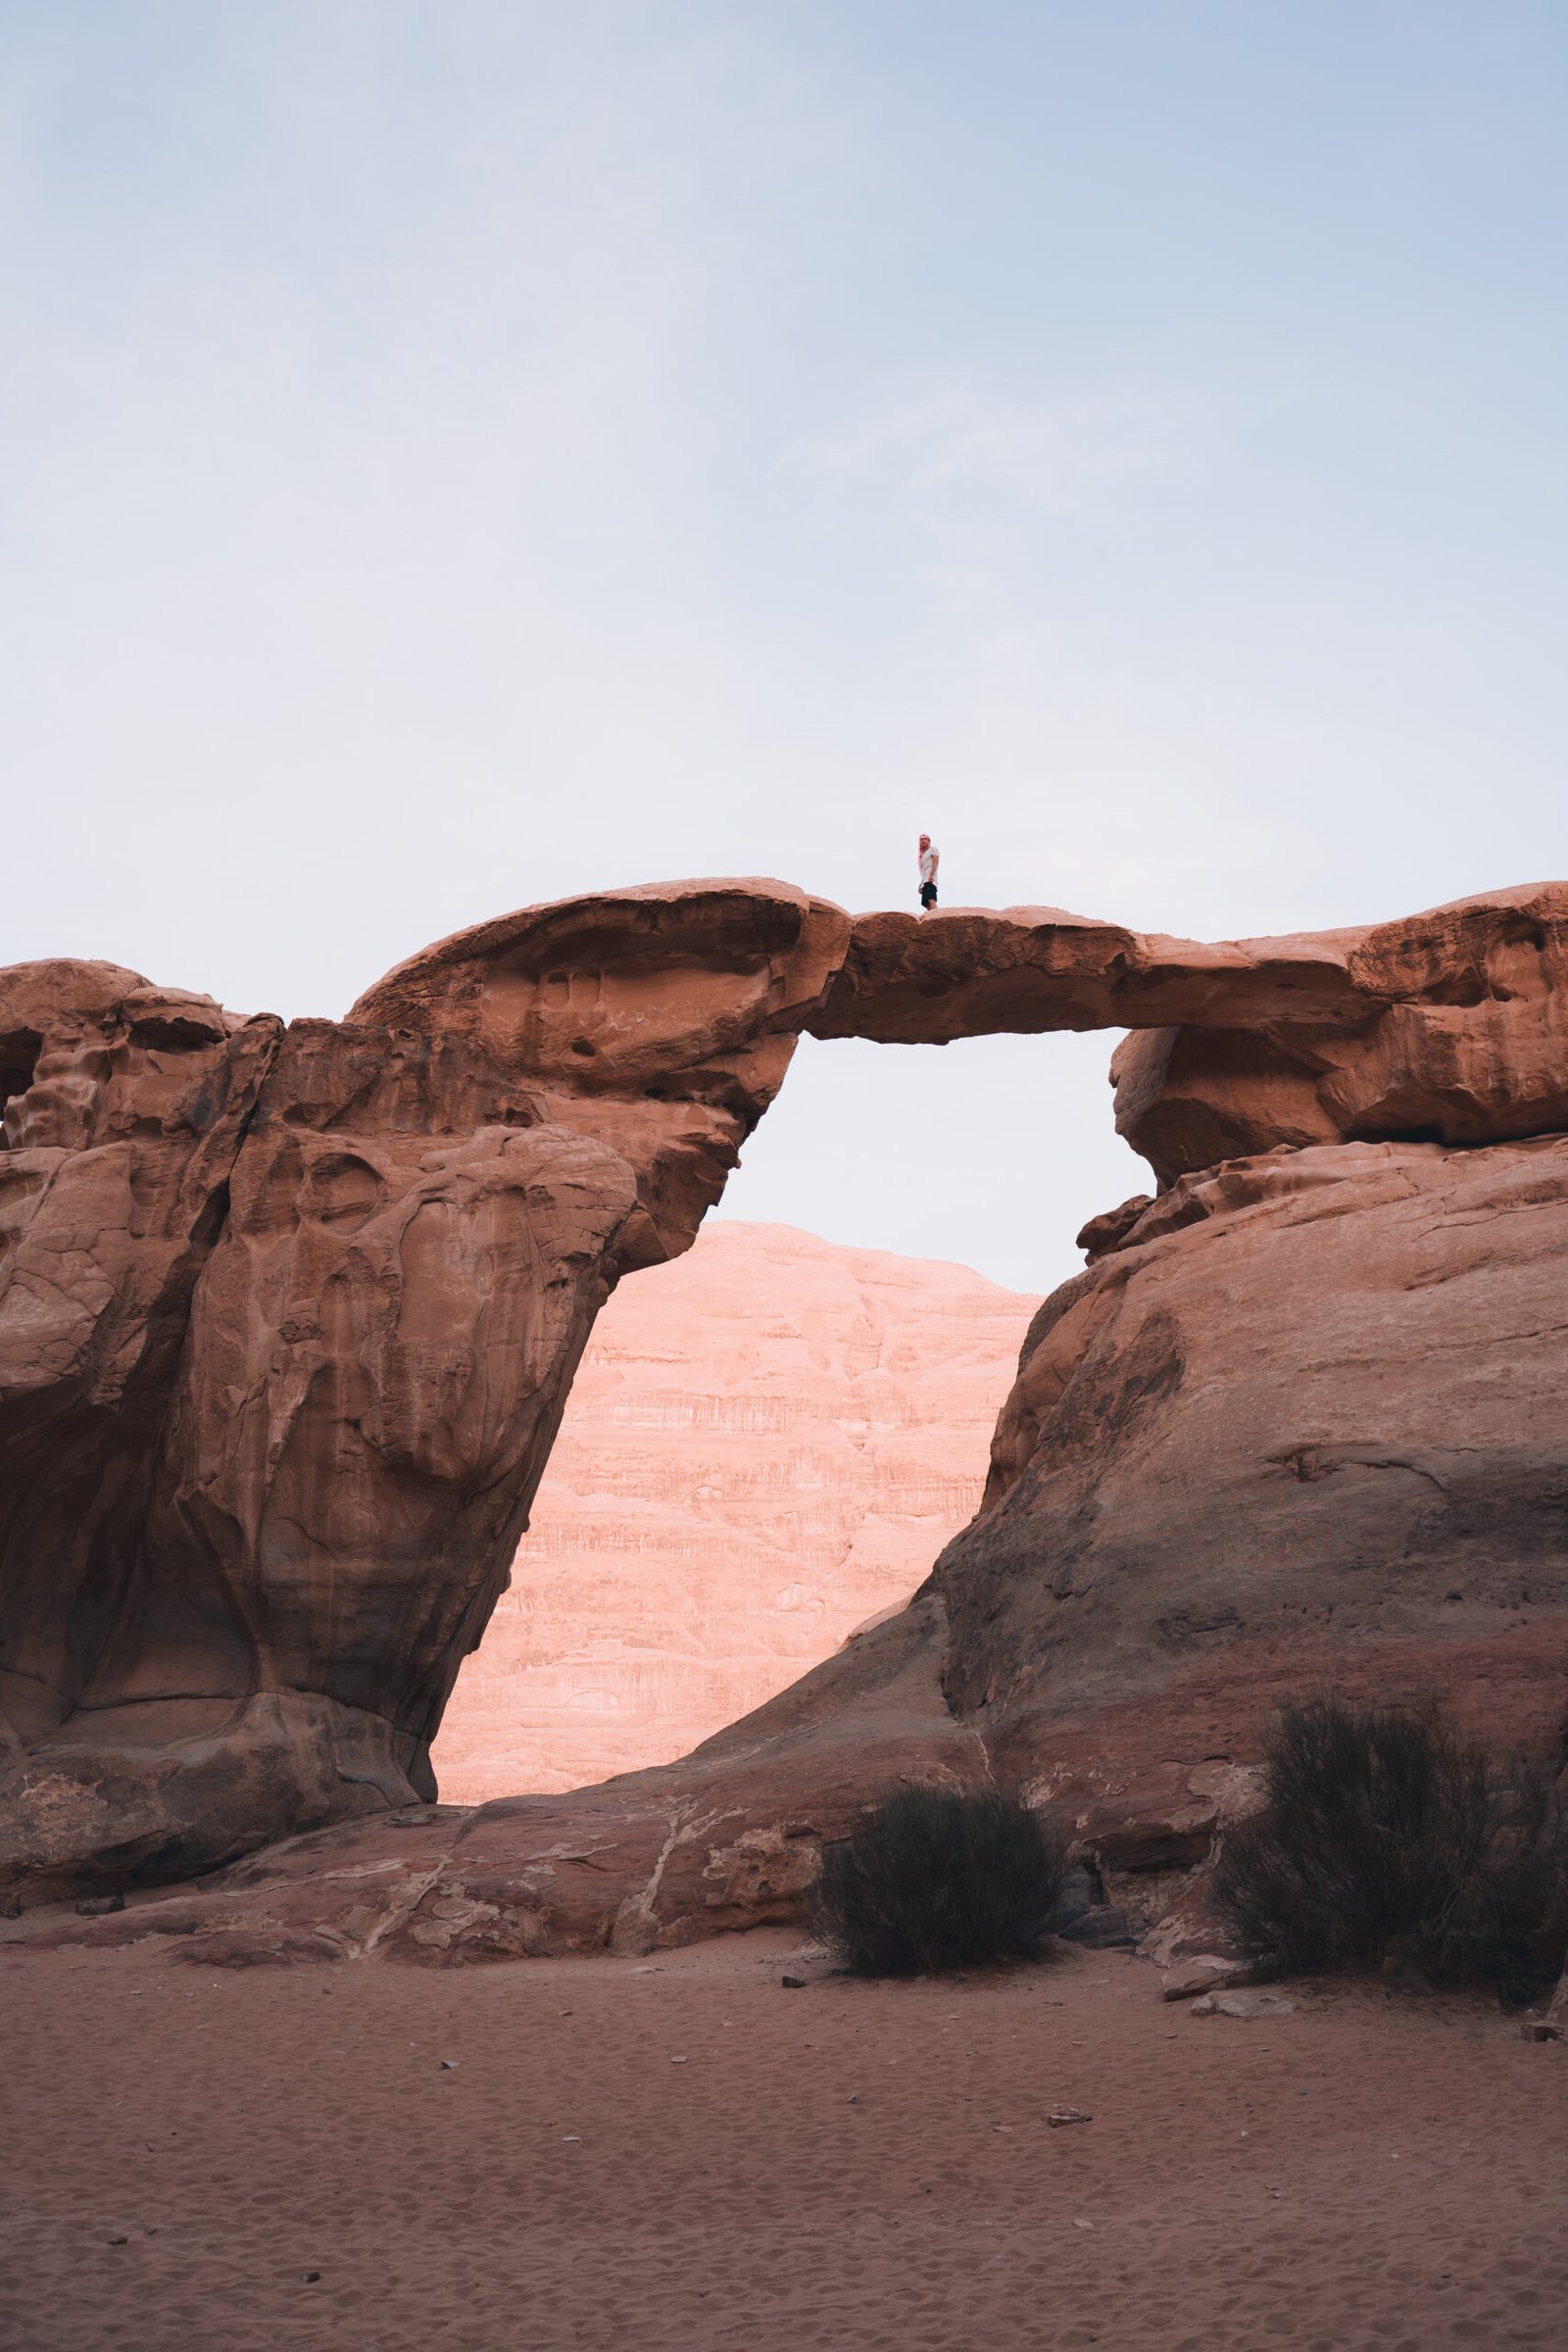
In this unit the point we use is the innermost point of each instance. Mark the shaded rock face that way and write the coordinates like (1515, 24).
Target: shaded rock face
(767, 1443)
(287, 1319)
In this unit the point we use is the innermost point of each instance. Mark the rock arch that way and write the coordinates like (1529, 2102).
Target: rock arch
(288, 1315)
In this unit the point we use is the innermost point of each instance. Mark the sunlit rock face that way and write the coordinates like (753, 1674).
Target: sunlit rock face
(769, 1442)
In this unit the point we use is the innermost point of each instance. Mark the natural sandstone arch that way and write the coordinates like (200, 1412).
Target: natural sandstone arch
(287, 1318)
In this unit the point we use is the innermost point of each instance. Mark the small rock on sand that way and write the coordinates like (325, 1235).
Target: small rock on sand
(1099, 1930)
(1205, 1974)
(1242, 2004)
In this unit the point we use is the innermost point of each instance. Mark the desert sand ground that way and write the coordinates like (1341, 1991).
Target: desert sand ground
(682, 2153)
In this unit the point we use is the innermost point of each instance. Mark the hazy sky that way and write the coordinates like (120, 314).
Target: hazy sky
(457, 455)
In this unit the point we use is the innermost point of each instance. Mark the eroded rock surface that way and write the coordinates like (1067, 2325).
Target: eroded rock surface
(1299, 1425)
(1460, 1036)
(287, 1319)
(658, 1021)
(1302, 1430)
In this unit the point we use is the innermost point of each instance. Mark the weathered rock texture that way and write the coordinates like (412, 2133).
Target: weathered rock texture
(658, 1023)
(769, 1441)
(287, 1319)
(1299, 1425)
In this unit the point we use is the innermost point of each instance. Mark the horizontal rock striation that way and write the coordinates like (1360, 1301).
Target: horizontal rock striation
(287, 1319)
(767, 1443)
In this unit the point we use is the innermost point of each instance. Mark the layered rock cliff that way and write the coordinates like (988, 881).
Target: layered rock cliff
(767, 1442)
(287, 1320)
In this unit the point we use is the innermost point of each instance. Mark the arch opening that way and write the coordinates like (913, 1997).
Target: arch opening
(772, 1439)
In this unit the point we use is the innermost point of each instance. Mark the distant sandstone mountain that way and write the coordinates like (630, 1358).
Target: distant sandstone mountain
(769, 1441)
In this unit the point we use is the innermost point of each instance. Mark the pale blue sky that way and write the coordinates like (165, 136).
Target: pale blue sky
(457, 454)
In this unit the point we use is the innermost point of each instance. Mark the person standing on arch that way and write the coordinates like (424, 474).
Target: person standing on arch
(930, 860)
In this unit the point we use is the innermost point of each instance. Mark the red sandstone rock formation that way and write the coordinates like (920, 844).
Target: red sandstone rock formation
(287, 1319)
(1297, 1425)
(286, 1323)
(769, 1441)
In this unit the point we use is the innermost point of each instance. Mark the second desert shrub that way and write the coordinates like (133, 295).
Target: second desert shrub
(1386, 1830)
(933, 1878)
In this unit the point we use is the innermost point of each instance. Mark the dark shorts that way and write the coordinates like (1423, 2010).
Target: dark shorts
(928, 895)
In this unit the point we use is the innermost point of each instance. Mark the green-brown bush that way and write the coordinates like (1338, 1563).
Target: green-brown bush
(1385, 1832)
(933, 1880)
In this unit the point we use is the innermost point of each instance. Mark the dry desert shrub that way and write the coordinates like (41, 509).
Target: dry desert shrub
(1386, 1833)
(933, 1880)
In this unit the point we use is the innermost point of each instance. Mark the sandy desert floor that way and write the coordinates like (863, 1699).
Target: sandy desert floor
(682, 2153)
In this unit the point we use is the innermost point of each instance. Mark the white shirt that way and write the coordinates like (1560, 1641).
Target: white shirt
(928, 866)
